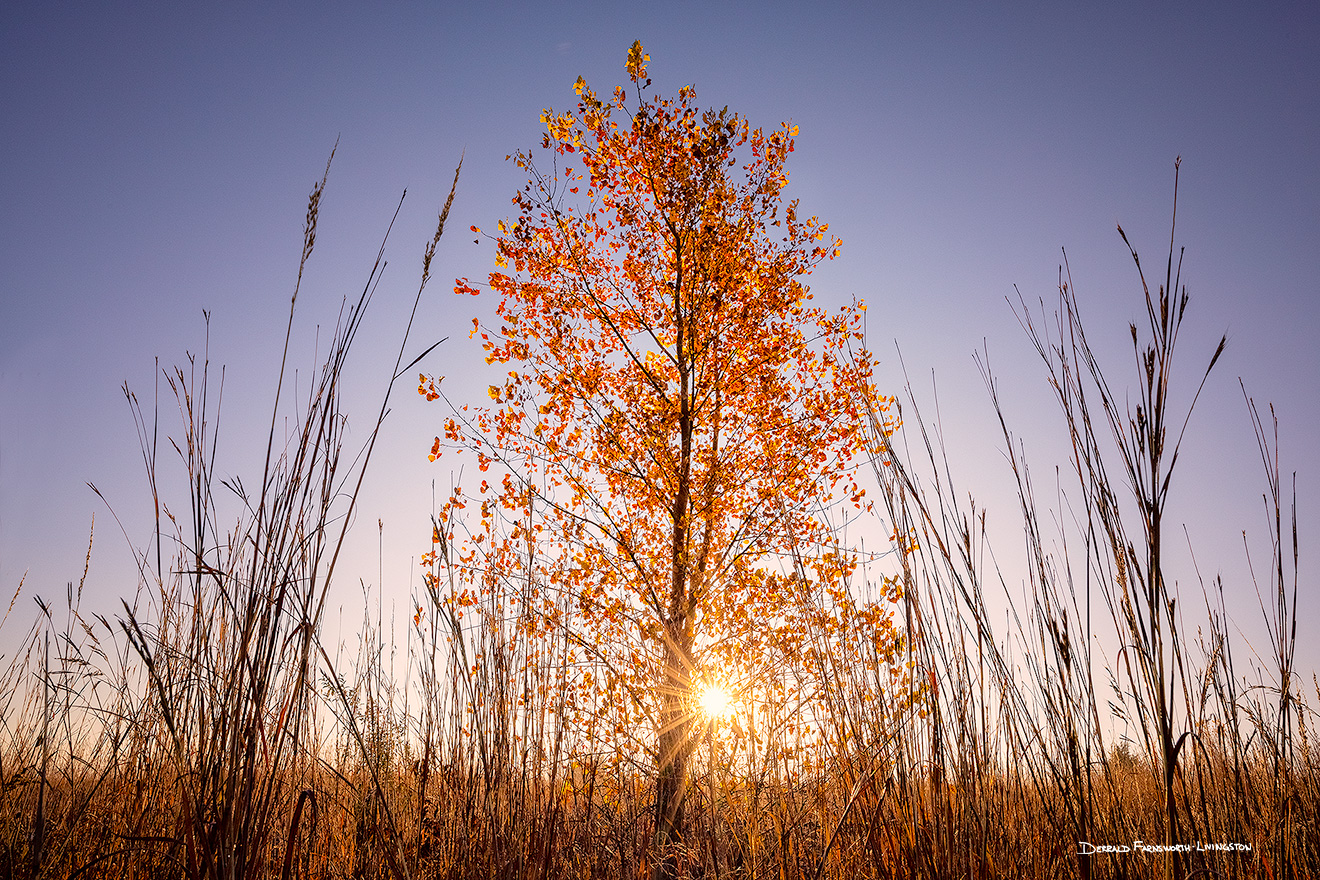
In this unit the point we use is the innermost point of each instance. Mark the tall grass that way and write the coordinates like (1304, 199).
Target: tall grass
(207, 732)
(184, 738)
(1023, 727)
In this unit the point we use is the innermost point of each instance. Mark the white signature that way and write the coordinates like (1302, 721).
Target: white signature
(1086, 848)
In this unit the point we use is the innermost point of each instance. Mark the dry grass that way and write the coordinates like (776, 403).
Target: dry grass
(206, 732)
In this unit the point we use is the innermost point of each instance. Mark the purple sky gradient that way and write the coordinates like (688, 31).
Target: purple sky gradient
(157, 160)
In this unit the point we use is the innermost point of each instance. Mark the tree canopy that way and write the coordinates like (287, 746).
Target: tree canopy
(676, 423)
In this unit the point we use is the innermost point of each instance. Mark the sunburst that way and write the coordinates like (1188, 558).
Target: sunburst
(716, 702)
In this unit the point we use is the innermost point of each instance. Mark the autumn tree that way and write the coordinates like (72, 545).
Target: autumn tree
(676, 421)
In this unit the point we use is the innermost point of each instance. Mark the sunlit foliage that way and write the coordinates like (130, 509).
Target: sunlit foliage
(677, 428)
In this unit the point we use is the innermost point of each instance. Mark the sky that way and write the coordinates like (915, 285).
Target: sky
(157, 158)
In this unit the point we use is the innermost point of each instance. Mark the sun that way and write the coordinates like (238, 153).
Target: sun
(716, 702)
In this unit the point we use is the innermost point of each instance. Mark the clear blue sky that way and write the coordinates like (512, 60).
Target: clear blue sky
(156, 161)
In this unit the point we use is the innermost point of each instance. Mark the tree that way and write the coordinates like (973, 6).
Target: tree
(677, 420)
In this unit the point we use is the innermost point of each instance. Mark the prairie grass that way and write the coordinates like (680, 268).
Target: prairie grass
(207, 732)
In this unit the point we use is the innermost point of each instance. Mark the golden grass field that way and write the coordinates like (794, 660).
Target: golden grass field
(205, 731)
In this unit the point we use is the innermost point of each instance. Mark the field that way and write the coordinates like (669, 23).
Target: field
(207, 731)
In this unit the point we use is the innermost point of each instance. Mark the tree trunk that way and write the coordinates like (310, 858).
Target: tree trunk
(676, 744)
